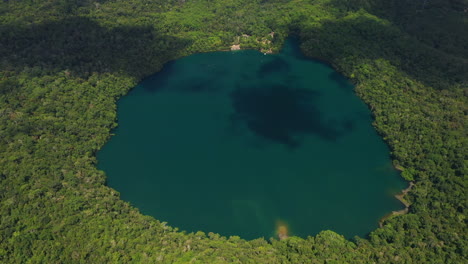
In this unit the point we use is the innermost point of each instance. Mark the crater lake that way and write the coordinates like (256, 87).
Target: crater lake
(240, 143)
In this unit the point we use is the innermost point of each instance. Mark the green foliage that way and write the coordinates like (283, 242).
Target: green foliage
(63, 65)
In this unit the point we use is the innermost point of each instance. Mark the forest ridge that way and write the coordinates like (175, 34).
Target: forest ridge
(64, 64)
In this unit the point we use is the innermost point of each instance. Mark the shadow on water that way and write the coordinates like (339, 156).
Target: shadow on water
(348, 125)
(158, 81)
(342, 82)
(281, 114)
(275, 66)
(197, 85)
(293, 49)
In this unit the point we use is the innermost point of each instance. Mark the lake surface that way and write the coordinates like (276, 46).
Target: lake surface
(238, 142)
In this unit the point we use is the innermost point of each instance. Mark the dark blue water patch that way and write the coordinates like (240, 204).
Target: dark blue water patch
(197, 85)
(348, 125)
(293, 50)
(342, 82)
(280, 113)
(159, 80)
(275, 65)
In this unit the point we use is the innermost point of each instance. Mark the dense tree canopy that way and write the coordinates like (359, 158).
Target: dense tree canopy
(64, 63)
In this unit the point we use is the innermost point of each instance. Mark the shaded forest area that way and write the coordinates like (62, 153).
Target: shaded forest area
(64, 63)
(81, 46)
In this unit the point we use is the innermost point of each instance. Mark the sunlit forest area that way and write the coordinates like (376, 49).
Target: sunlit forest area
(65, 63)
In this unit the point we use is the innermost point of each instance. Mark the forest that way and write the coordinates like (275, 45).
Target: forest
(65, 63)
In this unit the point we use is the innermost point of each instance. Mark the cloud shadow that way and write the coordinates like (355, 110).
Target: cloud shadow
(281, 114)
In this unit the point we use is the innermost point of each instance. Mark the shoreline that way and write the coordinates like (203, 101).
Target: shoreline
(400, 197)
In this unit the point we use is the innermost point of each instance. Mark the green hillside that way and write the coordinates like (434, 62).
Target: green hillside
(64, 63)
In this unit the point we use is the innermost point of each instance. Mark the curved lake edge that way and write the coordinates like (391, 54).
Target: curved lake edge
(281, 234)
(400, 196)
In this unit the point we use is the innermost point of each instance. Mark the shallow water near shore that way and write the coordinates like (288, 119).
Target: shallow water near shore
(236, 142)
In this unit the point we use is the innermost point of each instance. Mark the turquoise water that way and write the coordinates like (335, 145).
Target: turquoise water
(236, 142)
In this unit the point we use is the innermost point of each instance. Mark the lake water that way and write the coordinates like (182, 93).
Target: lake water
(238, 143)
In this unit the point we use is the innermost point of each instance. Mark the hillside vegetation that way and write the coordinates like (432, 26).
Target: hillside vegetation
(65, 63)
